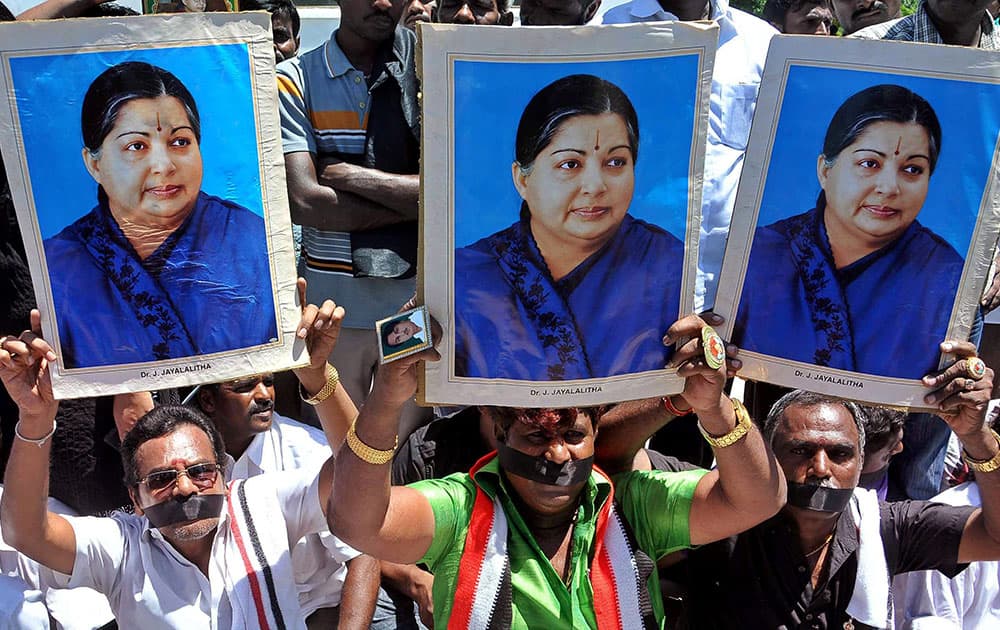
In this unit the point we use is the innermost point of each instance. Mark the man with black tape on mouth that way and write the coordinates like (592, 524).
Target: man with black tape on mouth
(826, 560)
(535, 536)
(198, 553)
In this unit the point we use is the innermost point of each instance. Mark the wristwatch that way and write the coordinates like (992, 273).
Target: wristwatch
(743, 425)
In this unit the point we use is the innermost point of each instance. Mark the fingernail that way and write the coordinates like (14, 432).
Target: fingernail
(51, 356)
(303, 332)
(319, 324)
(929, 399)
(736, 363)
(667, 340)
(732, 348)
(946, 347)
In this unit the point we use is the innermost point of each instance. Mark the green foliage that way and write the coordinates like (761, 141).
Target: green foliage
(755, 7)
(909, 7)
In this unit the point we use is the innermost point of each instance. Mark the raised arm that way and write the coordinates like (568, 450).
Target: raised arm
(27, 524)
(320, 328)
(390, 523)
(748, 485)
(327, 208)
(962, 395)
(626, 427)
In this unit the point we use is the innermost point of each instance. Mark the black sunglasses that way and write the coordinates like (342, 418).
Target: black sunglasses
(201, 475)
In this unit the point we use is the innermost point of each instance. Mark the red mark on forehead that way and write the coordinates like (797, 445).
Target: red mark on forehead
(597, 141)
(159, 128)
(898, 144)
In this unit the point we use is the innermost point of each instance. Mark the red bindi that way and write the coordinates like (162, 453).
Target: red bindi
(898, 144)
(159, 128)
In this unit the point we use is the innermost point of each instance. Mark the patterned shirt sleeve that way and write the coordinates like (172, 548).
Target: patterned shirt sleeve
(296, 127)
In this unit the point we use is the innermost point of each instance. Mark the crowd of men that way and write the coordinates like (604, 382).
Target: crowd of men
(355, 508)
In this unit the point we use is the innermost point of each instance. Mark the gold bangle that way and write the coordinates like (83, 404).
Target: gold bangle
(366, 453)
(332, 380)
(984, 465)
(743, 425)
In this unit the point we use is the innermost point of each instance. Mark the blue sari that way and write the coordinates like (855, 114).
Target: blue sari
(606, 317)
(206, 288)
(884, 314)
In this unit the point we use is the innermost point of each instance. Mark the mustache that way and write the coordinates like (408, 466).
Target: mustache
(821, 483)
(260, 407)
(878, 5)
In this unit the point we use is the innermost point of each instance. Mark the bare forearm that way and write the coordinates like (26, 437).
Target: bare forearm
(750, 479)
(336, 412)
(624, 430)
(23, 507)
(52, 9)
(982, 446)
(361, 490)
(357, 602)
(396, 192)
(324, 208)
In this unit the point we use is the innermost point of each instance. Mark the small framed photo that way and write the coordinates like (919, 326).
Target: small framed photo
(403, 334)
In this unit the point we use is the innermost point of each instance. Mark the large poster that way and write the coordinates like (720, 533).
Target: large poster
(866, 215)
(147, 176)
(560, 208)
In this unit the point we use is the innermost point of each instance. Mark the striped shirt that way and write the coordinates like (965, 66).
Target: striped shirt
(919, 28)
(324, 103)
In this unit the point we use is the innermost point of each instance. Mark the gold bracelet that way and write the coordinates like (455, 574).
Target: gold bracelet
(984, 465)
(366, 453)
(743, 425)
(332, 380)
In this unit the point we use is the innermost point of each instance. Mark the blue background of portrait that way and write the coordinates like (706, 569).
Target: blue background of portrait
(50, 91)
(489, 100)
(970, 122)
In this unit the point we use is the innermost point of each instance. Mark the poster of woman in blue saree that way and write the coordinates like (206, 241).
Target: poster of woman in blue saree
(143, 276)
(576, 287)
(867, 279)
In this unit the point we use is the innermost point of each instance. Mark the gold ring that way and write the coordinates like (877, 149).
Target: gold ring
(714, 347)
(975, 367)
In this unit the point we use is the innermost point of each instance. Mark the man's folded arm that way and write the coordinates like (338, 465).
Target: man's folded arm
(316, 205)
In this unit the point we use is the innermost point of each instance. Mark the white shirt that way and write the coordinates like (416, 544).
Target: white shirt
(927, 600)
(319, 561)
(150, 585)
(739, 61)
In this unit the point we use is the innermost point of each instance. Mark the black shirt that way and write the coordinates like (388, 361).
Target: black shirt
(760, 579)
(447, 445)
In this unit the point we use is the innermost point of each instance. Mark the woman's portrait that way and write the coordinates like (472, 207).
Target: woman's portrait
(403, 334)
(158, 268)
(857, 282)
(575, 287)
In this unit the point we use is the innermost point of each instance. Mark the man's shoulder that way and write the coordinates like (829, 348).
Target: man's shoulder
(747, 24)
(619, 14)
(305, 440)
(963, 494)
(305, 66)
(901, 28)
